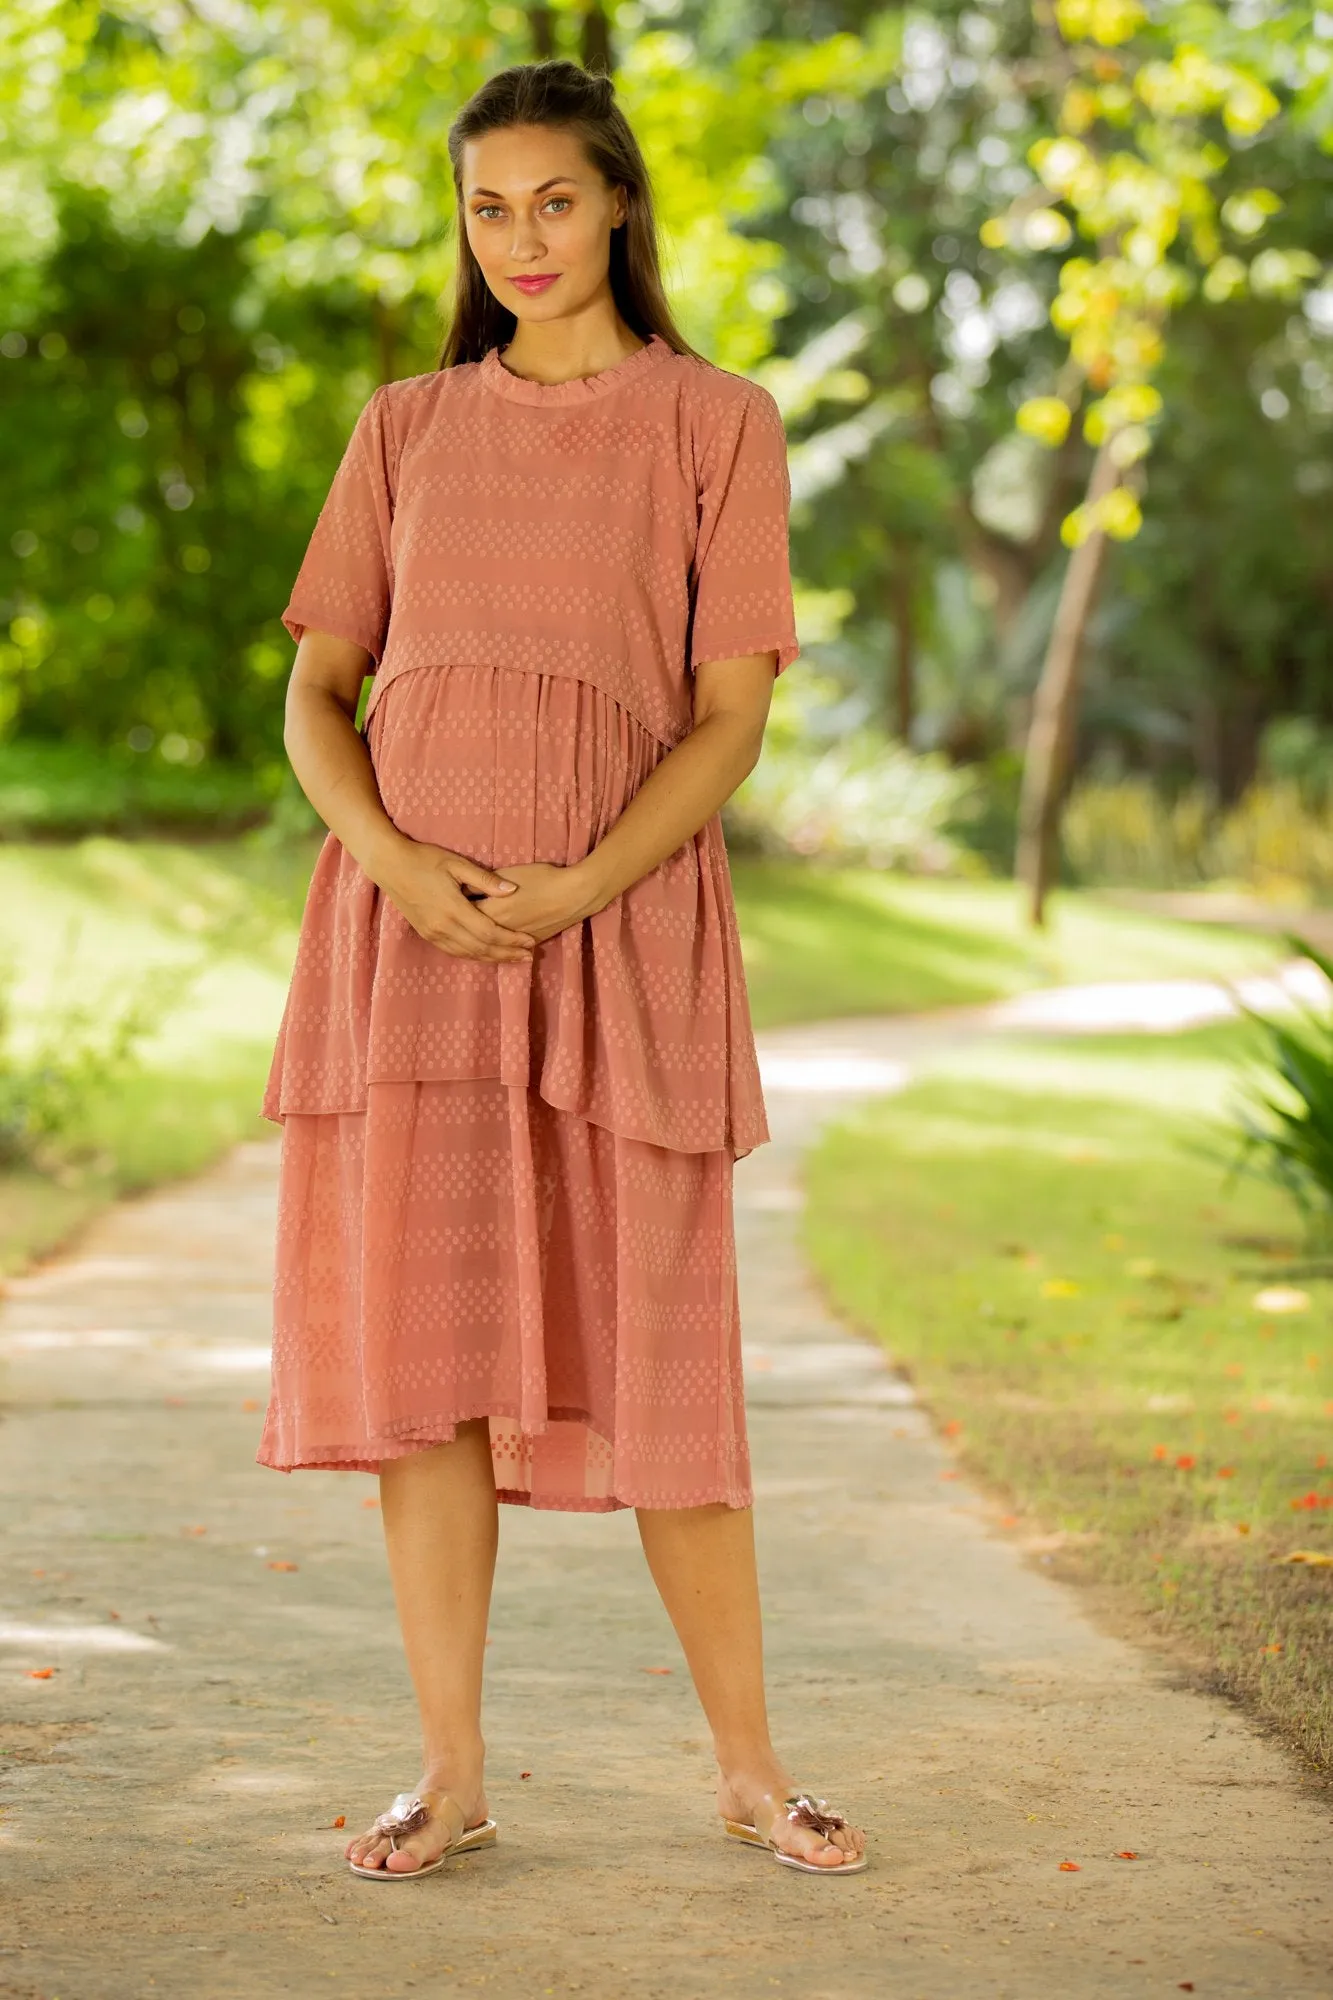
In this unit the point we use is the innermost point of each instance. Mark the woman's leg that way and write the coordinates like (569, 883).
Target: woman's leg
(441, 1528)
(702, 1561)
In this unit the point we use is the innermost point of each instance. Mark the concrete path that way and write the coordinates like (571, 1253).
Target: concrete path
(227, 1680)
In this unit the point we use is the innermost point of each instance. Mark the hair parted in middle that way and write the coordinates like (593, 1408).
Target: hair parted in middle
(560, 94)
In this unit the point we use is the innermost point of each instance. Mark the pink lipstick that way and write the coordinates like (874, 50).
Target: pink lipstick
(532, 286)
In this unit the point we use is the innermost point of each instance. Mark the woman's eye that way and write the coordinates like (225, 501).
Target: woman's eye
(490, 208)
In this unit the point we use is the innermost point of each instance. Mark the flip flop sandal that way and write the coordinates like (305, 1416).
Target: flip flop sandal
(800, 1810)
(408, 1814)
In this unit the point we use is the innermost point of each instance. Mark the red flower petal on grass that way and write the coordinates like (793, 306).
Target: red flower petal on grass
(1071, 1867)
(40, 1673)
(1126, 1854)
(332, 1825)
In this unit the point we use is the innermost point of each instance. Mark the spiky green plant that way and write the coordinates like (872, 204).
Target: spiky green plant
(1286, 1116)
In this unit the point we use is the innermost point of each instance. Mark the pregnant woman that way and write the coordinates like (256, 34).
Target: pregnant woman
(516, 1066)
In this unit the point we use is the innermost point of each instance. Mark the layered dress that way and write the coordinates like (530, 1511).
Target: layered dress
(506, 1189)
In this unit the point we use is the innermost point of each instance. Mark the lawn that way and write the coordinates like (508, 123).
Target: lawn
(101, 916)
(820, 943)
(1136, 1356)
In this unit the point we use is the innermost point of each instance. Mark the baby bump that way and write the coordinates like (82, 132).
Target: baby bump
(503, 764)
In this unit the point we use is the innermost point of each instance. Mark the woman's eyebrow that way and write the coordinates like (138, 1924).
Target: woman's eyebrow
(538, 190)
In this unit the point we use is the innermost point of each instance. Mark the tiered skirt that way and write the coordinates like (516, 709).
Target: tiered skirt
(506, 1190)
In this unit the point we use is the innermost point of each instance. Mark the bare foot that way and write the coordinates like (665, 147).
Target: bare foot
(757, 1797)
(457, 1801)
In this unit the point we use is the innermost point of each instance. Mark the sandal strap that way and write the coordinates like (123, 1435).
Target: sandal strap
(410, 1812)
(800, 1809)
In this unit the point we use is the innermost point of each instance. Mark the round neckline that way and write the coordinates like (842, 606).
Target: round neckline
(581, 388)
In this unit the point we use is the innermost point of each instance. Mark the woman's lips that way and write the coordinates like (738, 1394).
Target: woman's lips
(535, 284)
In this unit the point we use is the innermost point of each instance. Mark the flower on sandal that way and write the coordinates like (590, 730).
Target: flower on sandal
(816, 1814)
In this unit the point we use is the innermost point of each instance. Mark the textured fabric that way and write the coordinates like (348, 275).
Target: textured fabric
(506, 1189)
(637, 1018)
(463, 1250)
(621, 529)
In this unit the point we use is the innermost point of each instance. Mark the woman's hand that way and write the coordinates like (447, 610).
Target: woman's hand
(548, 899)
(426, 884)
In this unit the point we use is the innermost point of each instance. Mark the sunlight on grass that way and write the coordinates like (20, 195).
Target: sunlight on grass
(819, 944)
(1046, 1243)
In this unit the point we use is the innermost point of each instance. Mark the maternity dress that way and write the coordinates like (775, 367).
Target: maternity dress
(505, 1189)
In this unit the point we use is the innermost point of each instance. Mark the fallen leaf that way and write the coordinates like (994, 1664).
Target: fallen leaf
(525, 1774)
(657, 1670)
(1126, 1854)
(1071, 1867)
(1186, 1985)
(1281, 1299)
(286, 1566)
(40, 1673)
(1315, 1558)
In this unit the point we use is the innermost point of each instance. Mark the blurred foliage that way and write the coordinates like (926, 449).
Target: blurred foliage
(1286, 1120)
(221, 228)
(1277, 838)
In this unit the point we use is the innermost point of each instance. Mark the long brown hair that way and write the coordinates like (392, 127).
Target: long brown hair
(559, 93)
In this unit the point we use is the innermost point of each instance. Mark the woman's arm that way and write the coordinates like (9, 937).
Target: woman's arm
(679, 795)
(333, 769)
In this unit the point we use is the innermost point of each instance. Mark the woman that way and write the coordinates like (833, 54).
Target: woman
(516, 1066)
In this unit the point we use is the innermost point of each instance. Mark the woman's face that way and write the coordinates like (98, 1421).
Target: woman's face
(535, 207)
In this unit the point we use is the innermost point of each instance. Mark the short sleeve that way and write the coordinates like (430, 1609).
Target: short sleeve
(741, 595)
(345, 582)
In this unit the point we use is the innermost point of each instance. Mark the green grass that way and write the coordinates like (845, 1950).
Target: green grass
(822, 943)
(1042, 1237)
(100, 911)
(98, 917)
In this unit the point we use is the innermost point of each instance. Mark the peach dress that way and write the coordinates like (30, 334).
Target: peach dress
(506, 1190)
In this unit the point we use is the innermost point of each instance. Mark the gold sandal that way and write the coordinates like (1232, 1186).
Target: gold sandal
(408, 1814)
(800, 1810)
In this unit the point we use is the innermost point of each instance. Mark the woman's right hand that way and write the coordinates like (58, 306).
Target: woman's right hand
(426, 883)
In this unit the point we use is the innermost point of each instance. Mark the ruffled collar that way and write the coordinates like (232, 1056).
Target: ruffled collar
(583, 388)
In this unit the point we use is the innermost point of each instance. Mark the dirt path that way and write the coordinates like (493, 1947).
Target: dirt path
(169, 1788)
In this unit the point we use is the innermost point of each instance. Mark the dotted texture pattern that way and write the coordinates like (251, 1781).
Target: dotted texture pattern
(506, 1189)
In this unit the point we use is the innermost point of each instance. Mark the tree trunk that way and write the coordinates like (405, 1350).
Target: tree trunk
(903, 613)
(596, 42)
(1051, 734)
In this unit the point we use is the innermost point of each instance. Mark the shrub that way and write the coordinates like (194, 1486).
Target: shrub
(1286, 1120)
(853, 798)
(51, 1075)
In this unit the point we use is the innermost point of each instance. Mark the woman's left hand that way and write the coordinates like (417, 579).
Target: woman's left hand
(548, 899)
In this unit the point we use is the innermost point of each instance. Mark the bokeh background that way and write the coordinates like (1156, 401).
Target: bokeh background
(1045, 294)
